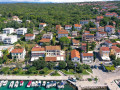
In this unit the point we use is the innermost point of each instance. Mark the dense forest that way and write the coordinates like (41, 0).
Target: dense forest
(50, 13)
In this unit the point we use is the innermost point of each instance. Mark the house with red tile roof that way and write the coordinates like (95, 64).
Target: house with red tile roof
(87, 58)
(37, 52)
(78, 27)
(88, 37)
(58, 27)
(75, 42)
(42, 25)
(29, 37)
(48, 35)
(62, 33)
(100, 35)
(68, 27)
(108, 14)
(104, 53)
(108, 43)
(115, 51)
(99, 18)
(83, 46)
(75, 56)
(110, 29)
(18, 54)
(101, 29)
(54, 53)
(74, 33)
(44, 40)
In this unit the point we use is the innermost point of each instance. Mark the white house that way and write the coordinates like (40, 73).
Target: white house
(100, 35)
(110, 29)
(37, 52)
(78, 27)
(18, 54)
(104, 53)
(2, 37)
(48, 35)
(42, 25)
(21, 31)
(87, 58)
(8, 30)
(10, 39)
(74, 33)
(68, 27)
(62, 33)
(75, 56)
(16, 18)
(108, 43)
(29, 37)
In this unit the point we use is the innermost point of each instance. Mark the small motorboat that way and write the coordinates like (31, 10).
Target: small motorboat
(33, 84)
(11, 84)
(54, 83)
(21, 83)
(36, 83)
(60, 85)
(44, 83)
(5, 82)
(39, 83)
(29, 84)
(16, 84)
(0, 83)
(48, 85)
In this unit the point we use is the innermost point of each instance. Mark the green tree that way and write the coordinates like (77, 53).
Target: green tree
(62, 65)
(64, 41)
(50, 65)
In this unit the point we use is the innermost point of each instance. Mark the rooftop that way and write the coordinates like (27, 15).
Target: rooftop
(75, 53)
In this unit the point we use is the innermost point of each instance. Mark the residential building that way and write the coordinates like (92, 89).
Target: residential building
(75, 56)
(97, 24)
(108, 43)
(48, 35)
(83, 47)
(93, 29)
(16, 18)
(75, 42)
(115, 51)
(110, 29)
(82, 22)
(88, 37)
(21, 31)
(62, 33)
(68, 27)
(108, 14)
(99, 18)
(37, 52)
(101, 29)
(87, 32)
(54, 53)
(44, 40)
(2, 37)
(78, 27)
(118, 32)
(87, 58)
(42, 25)
(101, 35)
(29, 37)
(8, 30)
(58, 27)
(10, 39)
(74, 34)
(104, 53)
(18, 54)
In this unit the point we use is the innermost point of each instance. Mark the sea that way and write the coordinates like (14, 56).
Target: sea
(67, 87)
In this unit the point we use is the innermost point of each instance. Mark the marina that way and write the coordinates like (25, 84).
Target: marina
(36, 85)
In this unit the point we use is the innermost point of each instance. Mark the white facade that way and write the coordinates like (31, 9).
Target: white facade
(68, 27)
(2, 37)
(76, 59)
(62, 35)
(21, 31)
(8, 30)
(48, 35)
(27, 38)
(78, 28)
(10, 39)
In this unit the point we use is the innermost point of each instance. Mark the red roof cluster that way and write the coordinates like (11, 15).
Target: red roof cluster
(29, 35)
(75, 53)
(19, 50)
(104, 48)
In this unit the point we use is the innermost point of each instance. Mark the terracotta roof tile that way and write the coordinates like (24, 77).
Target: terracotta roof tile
(50, 59)
(110, 26)
(62, 32)
(75, 41)
(17, 50)
(104, 48)
(75, 53)
(29, 35)
(77, 25)
(38, 48)
(42, 23)
(45, 40)
(87, 54)
(53, 48)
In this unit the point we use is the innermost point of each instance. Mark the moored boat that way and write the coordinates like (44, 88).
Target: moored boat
(60, 85)
(54, 83)
(5, 82)
(33, 84)
(0, 83)
(21, 83)
(39, 83)
(44, 83)
(16, 84)
(11, 84)
(29, 84)
(48, 85)
(36, 83)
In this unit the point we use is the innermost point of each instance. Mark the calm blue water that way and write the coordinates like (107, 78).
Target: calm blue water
(67, 87)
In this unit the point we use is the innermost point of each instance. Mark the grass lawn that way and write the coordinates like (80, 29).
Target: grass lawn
(84, 72)
(110, 68)
(55, 74)
(71, 71)
(89, 70)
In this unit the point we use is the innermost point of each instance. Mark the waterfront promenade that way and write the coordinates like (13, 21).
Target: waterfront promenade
(14, 77)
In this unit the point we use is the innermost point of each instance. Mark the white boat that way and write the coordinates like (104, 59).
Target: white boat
(48, 85)
(53, 83)
(39, 83)
(11, 84)
(21, 83)
(33, 84)
(5, 82)
(36, 83)
(0, 83)
(16, 84)
(44, 83)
